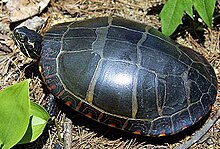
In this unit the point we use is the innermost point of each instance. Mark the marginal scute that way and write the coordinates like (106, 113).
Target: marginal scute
(203, 84)
(202, 59)
(91, 23)
(89, 110)
(111, 119)
(185, 59)
(212, 93)
(57, 30)
(55, 85)
(160, 126)
(49, 67)
(202, 70)
(60, 27)
(154, 32)
(128, 24)
(69, 99)
(212, 74)
(206, 102)
(50, 49)
(190, 53)
(181, 120)
(138, 126)
(196, 111)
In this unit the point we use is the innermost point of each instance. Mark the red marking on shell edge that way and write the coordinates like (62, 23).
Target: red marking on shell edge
(199, 116)
(60, 94)
(52, 87)
(68, 103)
(125, 124)
(79, 105)
(137, 132)
(210, 107)
(162, 133)
(184, 126)
(112, 125)
(100, 117)
(89, 115)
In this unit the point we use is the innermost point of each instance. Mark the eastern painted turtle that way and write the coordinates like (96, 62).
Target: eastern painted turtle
(123, 74)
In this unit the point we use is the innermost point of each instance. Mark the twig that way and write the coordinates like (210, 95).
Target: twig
(129, 4)
(201, 132)
(67, 134)
(57, 127)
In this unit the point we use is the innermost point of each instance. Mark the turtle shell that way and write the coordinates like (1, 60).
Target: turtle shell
(127, 75)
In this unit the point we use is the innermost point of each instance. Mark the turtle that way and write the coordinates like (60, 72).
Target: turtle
(123, 73)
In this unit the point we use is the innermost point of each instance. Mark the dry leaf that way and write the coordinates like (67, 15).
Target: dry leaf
(34, 23)
(23, 9)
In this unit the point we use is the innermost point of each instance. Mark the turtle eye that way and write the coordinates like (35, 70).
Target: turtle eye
(22, 37)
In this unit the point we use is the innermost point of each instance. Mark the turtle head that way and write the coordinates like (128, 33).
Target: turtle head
(28, 41)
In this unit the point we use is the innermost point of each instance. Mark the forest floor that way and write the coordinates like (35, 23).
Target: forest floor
(85, 132)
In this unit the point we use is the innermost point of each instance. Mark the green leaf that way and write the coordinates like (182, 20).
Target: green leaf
(188, 7)
(14, 113)
(38, 121)
(171, 16)
(205, 8)
(1, 143)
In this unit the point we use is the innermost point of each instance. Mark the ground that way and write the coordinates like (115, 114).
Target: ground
(85, 132)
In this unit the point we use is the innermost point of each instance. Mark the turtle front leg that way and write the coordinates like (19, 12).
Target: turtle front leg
(51, 105)
(53, 110)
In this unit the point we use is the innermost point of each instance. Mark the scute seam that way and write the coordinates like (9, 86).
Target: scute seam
(98, 47)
